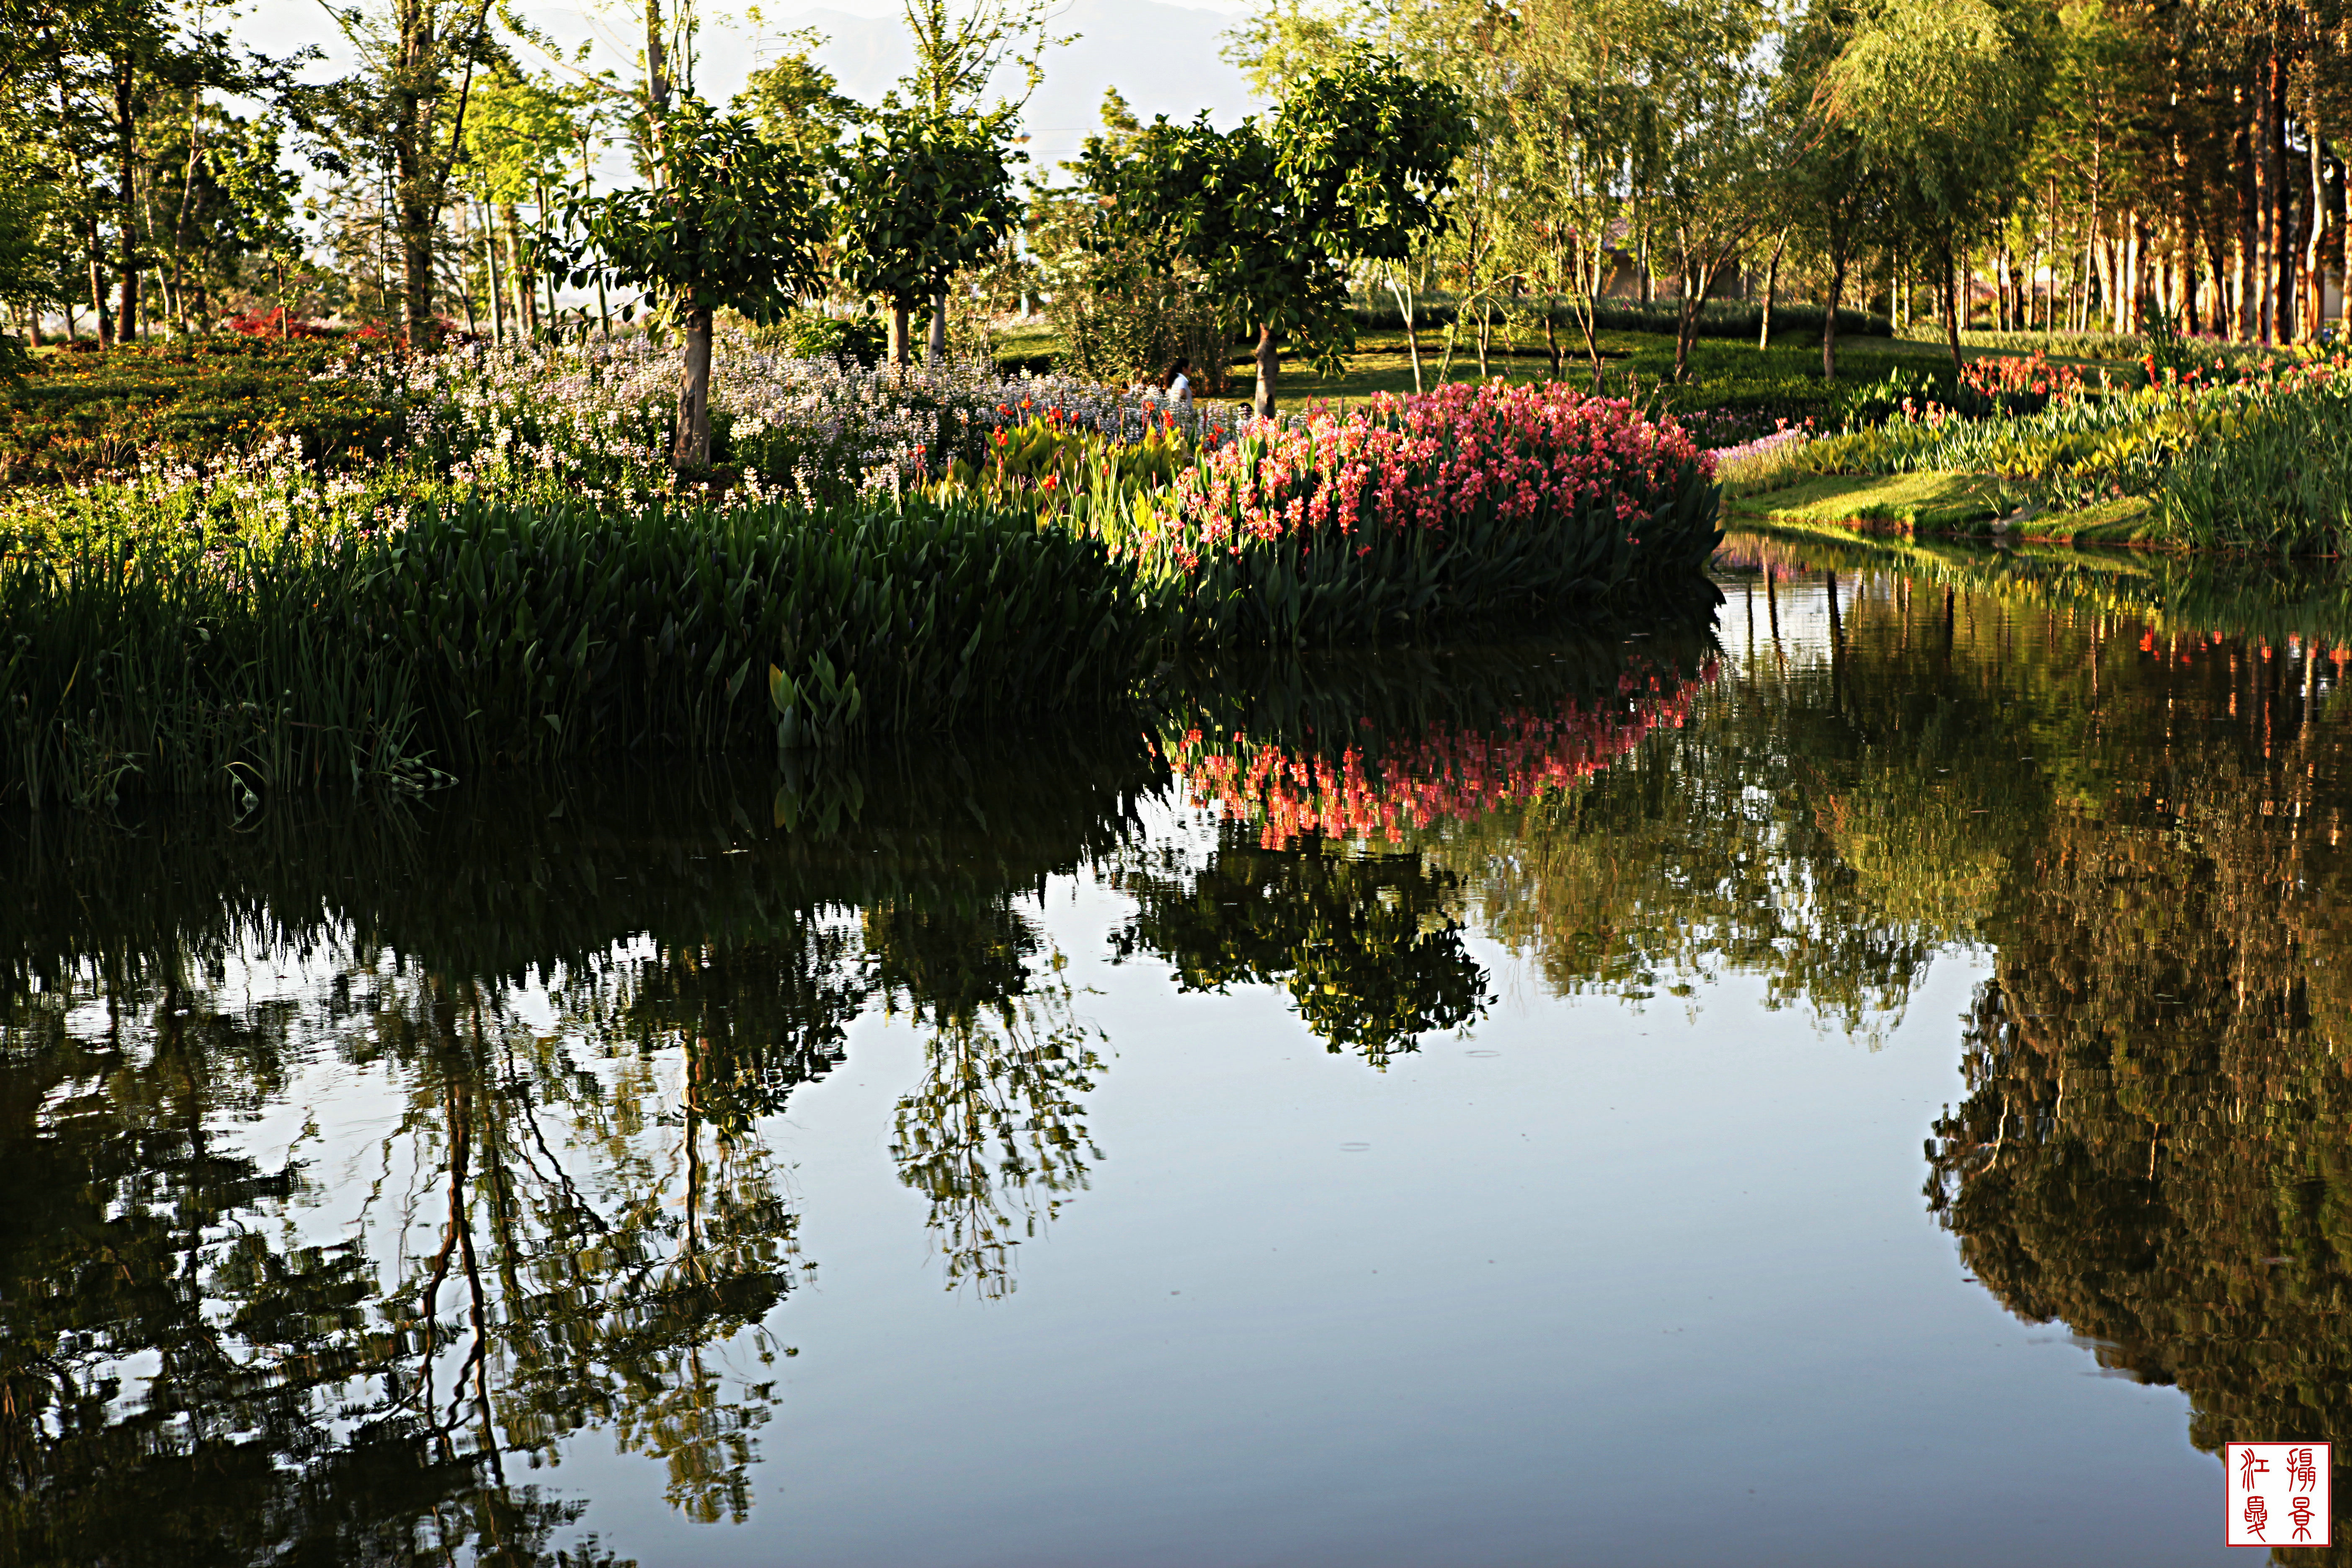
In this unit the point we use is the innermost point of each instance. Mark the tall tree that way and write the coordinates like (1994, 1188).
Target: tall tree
(920, 196)
(925, 187)
(734, 225)
(1945, 97)
(420, 56)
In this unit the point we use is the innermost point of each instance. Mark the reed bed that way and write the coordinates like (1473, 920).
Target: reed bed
(495, 632)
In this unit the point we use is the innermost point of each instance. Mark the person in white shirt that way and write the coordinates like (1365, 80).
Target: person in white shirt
(1177, 383)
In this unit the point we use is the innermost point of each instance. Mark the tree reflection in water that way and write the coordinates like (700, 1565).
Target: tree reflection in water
(2154, 1148)
(233, 1330)
(569, 1015)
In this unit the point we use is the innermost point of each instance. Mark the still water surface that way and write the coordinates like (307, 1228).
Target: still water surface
(1853, 1079)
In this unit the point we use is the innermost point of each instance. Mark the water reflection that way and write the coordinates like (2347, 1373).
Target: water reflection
(358, 1165)
(566, 1021)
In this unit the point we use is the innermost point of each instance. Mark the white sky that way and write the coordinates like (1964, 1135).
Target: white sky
(1163, 57)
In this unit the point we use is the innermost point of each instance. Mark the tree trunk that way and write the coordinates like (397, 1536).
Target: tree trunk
(97, 279)
(1955, 297)
(526, 302)
(126, 314)
(497, 282)
(415, 274)
(1829, 316)
(2281, 281)
(1411, 334)
(2264, 198)
(938, 346)
(690, 445)
(899, 333)
(1772, 291)
(2314, 270)
(1269, 369)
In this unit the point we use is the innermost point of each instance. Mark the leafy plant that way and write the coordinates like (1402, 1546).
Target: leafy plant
(921, 193)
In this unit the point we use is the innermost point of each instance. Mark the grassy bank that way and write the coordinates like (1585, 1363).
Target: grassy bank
(2255, 458)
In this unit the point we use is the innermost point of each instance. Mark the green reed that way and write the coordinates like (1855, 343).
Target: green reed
(498, 633)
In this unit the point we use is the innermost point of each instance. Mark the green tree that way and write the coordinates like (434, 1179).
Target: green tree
(920, 196)
(734, 225)
(1350, 170)
(420, 56)
(796, 101)
(1943, 98)
(520, 134)
(1833, 186)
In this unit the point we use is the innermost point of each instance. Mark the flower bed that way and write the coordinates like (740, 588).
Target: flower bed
(593, 418)
(80, 416)
(1470, 500)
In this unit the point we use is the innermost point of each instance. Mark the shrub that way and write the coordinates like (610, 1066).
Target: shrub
(1125, 315)
(813, 335)
(76, 417)
(1468, 500)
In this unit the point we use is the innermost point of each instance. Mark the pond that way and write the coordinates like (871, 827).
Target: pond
(1857, 1075)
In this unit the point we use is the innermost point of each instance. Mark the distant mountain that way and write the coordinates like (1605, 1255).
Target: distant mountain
(1164, 58)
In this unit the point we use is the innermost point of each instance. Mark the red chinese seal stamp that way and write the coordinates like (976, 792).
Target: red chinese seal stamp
(2278, 1493)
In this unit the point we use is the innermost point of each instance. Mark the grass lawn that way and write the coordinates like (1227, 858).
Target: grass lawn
(1911, 503)
(1926, 505)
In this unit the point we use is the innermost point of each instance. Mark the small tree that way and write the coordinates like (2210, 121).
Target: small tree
(1945, 97)
(734, 225)
(1349, 171)
(922, 196)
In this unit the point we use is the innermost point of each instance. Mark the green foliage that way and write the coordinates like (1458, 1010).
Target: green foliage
(2260, 464)
(795, 102)
(2277, 477)
(493, 633)
(1351, 169)
(734, 225)
(1733, 319)
(919, 197)
(811, 334)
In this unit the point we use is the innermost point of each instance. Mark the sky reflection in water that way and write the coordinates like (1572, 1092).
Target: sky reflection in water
(1861, 1083)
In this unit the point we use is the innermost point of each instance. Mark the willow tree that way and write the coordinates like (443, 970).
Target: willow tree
(1943, 98)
